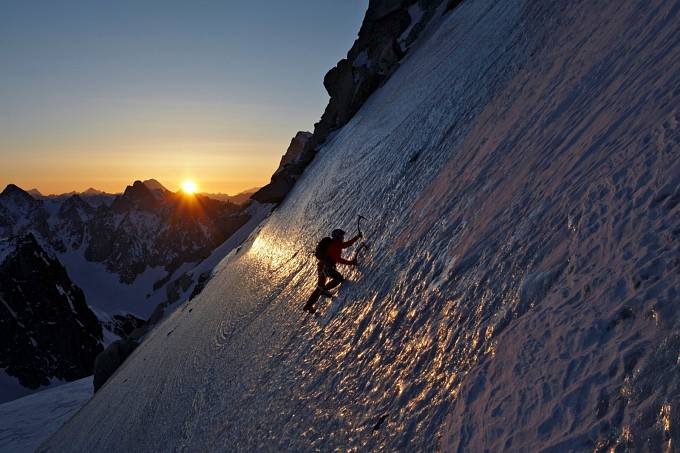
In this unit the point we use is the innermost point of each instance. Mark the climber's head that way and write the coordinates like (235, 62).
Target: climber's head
(338, 234)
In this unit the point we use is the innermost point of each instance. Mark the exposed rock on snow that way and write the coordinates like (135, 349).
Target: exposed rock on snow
(108, 361)
(288, 172)
(151, 227)
(145, 228)
(295, 149)
(21, 213)
(124, 325)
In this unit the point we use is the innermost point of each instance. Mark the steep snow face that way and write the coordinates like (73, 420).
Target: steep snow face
(521, 176)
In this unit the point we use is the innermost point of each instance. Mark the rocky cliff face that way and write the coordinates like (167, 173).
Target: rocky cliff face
(151, 227)
(47, 331)
(147, 226)
(19, 212)
(72, 218)
(288, 172)
(389, 29)
(295, 149)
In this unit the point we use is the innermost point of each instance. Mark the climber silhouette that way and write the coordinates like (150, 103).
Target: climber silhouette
(329, 254)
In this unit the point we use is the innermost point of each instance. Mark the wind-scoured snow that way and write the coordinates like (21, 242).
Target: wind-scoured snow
(521, 176)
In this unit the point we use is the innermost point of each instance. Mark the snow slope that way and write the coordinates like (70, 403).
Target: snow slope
(26, 422)
(520, 171)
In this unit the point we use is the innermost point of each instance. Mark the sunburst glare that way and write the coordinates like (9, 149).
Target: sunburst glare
(189, 187)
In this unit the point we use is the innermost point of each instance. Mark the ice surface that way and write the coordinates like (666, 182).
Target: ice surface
(210, 265)
(26, 422)
(520, 173)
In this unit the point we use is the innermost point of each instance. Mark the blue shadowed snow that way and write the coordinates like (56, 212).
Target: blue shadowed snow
(26, 422)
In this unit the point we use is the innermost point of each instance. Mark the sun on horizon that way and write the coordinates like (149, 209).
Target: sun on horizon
(189, 187)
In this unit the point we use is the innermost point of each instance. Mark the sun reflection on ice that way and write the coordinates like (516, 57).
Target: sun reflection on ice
(273, 252)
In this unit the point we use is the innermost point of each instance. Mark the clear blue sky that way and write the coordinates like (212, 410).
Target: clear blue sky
(96, 93)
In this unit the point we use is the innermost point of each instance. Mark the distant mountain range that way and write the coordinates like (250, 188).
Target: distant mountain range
(98, 265)
(96, 197)
(240, 198)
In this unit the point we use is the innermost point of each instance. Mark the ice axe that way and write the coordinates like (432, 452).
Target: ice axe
(359, 219)
(363, 244)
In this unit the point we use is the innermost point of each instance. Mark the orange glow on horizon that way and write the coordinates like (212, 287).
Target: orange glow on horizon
(189, 187)
(220, 168)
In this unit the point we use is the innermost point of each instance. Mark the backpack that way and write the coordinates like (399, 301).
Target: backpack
(321, 247)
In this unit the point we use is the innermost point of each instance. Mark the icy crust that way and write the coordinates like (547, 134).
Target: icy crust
(520, 173)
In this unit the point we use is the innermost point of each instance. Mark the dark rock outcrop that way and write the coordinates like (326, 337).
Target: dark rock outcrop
(73, 216)
(124, 325)
(21, 213)
(46, 328)
(139, 196)
(289, 170)
(388, 30)
(110, 359)
(295, 149)
(157, 188)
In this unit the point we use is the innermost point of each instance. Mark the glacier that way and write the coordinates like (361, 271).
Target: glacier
(521, 178)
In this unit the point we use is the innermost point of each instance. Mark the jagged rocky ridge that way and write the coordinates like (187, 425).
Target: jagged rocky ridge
(47, 331)
(155, 227)
(388, 30)
(147, 226)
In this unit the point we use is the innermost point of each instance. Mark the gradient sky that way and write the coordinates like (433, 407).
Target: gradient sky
(98, 93)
